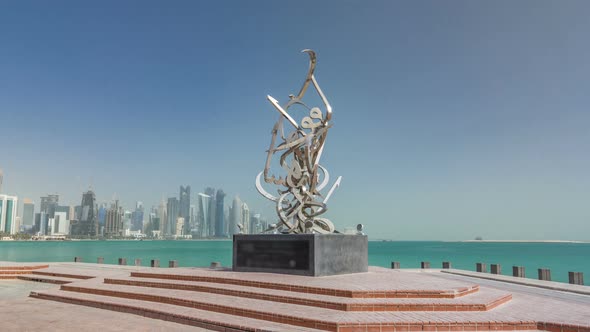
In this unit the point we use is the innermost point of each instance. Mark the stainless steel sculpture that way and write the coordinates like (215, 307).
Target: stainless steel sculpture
(299, 203)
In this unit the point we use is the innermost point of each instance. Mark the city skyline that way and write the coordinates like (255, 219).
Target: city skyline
(451, 120)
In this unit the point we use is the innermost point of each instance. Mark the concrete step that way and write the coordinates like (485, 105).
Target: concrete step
(188, 316)
(13, 272)
(314, 286)
(481, 301)
(294, 314)
(74, 275)
(22, 267)
(8, 276)
(47, 279)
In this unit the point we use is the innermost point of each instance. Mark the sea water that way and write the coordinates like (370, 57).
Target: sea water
(559, 257)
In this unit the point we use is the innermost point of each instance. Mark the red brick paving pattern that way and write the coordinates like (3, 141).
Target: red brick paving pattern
(523, 312)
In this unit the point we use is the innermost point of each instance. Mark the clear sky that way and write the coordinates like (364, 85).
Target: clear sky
(452, 119)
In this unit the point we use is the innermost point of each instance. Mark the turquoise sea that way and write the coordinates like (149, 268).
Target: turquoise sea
(559, 257)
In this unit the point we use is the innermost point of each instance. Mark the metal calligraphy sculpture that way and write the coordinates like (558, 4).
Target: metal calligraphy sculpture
(299, 203)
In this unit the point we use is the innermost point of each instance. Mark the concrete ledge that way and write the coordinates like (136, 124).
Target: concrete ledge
(553, 285)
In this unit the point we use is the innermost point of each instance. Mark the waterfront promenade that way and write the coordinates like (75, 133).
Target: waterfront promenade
(145, 299)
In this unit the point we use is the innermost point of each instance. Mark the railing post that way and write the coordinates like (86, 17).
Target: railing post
(173, 263)
(545, 274)
(137, 262)
(446, 265)
(481, 267)
(100, 260)
(496, 269)
(122, 261)
(576, 278)
(155, 263)
(425, 265)
(518, 271)
(395, 265)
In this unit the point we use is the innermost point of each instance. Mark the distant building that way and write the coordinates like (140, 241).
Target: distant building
(179, 226)
(184, 207)
(1, 178)
(219, 214)
(48, 204)
(28, 212)
(163, 216)
(61, 224)
(43, 223)
(114, 220)
(137, 217)
(8, 206)
(203, 203)
(173, 213)
(64, 209)
(87, 225)
(245, 218)
(235, 216)
(255, 223)
(212, 212)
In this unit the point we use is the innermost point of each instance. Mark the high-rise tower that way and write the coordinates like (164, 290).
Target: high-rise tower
(87, 225)
(48, 204)
(235, 216)
(173, 212)
(203, 214)
(219, 214)
(212, 212)
(185, 207)
(246, 218)
(28, 212)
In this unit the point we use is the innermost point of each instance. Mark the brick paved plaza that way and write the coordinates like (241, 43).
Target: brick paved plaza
(144, 298)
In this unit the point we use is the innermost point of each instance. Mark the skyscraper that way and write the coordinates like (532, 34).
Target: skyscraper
(212, 206)
(48, 204)
(246, 218)
(1, 178)
(8, 206)
(87, 225)
(203, 214)
(137, 217)
(163, 216)
(114, 220)
(173, 213)
(184, 207)
(219, 214)
(28, 212)
(235, 216)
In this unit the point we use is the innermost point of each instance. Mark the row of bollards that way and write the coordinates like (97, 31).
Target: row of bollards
(137, 262)
(575, 278)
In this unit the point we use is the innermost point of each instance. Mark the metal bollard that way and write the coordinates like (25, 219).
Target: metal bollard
(173, 264)
(576, 278)
(395, 265)
(496, 268)
(518, 271)
(545, 274)
(481, 267)
(425, 265)
(155, 263)
(122, 261)
(137, 262)
(77, 259)
(446, 265)
(100, 260)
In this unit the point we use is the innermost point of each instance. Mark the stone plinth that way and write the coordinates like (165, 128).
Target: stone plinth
(300, 254)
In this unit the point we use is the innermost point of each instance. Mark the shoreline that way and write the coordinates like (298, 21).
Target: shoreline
(524, 241)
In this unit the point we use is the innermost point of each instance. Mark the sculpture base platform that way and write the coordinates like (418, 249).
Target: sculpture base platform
(300, 254)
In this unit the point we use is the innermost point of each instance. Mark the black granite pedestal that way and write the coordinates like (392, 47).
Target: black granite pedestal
(300, 254)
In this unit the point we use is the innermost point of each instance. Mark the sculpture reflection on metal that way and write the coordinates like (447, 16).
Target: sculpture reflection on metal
(299, 203)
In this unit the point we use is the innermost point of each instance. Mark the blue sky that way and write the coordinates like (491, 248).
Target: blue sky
(451, 119)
